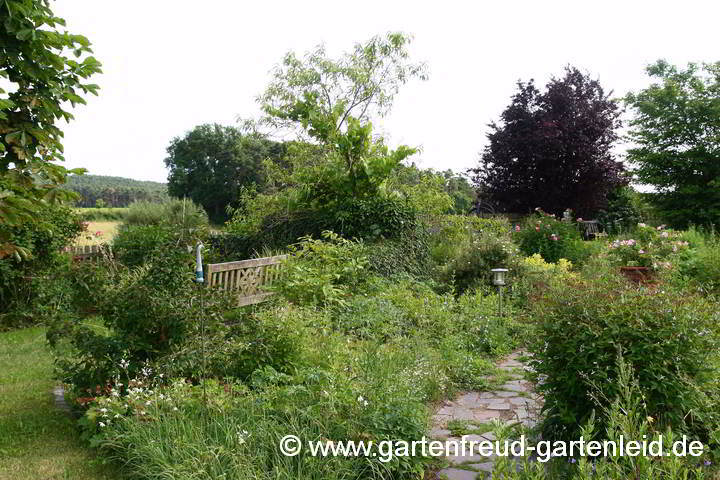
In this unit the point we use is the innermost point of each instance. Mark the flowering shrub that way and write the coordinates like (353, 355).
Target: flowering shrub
(470, 267)
(669, 337)
(653, 248)
(551, 238)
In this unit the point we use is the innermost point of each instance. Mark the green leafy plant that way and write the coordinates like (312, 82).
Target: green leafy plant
(323, 271)
(668, 336)
(553, 239)
(654, 248)
(42, 81)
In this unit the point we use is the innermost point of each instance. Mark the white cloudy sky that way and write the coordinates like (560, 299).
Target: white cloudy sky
(172, 64)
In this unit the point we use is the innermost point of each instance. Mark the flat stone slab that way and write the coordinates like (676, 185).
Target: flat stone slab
(439, 433)
(469, 457)
(515, 386)
(483, 467)
(515, 402)
(457, 474)
(482, 415)
(467, 399)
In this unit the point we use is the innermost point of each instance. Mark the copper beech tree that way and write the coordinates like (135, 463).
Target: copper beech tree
(552, 149)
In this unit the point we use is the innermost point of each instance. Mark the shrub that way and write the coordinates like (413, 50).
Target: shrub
(551, 238)
(408, 254)
(654, 247)
(146, 311)
(269, 225)
(626, 418)
(183, 215)
(667, 336)
(624, 211)
(323, 272)
(698, 266)
(135, 244)
(470, 267)
(245, 342)
(449, 234)
(27, 290)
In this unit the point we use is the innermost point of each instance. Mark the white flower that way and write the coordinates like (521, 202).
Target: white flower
(103, 410)
(101, 424)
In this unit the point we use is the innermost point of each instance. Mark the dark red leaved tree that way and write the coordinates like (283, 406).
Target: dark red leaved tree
(552, 149)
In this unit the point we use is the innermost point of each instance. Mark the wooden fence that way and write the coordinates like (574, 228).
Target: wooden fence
(246, 277)
(84, 253)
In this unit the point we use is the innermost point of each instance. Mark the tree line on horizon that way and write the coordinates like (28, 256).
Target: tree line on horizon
(109, 191)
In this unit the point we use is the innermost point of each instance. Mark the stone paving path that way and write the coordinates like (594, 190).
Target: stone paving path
(514, 402)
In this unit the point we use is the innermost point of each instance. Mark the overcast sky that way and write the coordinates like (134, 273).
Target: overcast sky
(172, 64)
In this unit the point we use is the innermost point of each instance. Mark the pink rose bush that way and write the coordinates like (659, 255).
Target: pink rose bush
(651, 247)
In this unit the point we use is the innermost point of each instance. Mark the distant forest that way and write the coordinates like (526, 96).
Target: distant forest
(102, 191)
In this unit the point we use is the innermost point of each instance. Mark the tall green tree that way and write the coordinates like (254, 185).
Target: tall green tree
(212, 163)
(341, 174)
(44, 69)
(676, 130)
(330, 101)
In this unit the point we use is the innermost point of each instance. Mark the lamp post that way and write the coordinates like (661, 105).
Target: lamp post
(499, 280)
(198, 263)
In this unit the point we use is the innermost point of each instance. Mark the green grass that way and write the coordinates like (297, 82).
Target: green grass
(37, 441)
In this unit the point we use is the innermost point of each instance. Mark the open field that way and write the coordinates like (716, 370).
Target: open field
(98, 233)
(37, 441)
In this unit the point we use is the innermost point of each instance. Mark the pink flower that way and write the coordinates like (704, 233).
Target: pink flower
(661, 227)
(641, 251)
(537, 229)
(579, 219)
(664, 234)
(553, 237)
(517, 228)
(641, 225)
(98, 233)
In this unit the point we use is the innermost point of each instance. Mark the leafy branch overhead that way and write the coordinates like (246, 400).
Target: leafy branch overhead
(46, 69)
(361, 83)
(331, 101)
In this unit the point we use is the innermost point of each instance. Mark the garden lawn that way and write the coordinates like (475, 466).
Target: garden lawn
(37, 441)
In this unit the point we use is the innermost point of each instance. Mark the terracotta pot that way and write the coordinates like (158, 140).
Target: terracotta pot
(638, 274)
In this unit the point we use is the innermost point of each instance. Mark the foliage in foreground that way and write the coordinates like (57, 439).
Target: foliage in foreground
(28, 293)
(624, 416)
(41, 80)
(668, 336)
